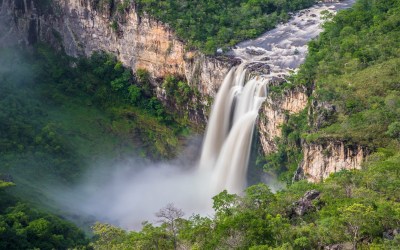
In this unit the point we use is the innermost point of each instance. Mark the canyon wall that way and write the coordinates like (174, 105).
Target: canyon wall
(320, 160)
(139, 42)
(274, 113)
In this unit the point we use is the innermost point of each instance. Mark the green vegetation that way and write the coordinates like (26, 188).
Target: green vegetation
(54, 105)
(59, 116)
(354, 207)
(209, 25)
(354, 66)
(22, 227)
(353, 71)
(182, 98)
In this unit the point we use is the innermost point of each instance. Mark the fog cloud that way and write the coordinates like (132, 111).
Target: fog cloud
(130, 192)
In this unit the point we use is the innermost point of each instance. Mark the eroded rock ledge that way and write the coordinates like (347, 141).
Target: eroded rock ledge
(320, 160)
(274, 113)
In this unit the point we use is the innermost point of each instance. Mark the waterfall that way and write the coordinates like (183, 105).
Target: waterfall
(229, 134)
(226, 147)
(218, 124)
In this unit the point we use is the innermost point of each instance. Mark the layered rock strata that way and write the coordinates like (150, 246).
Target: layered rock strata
(320, 160)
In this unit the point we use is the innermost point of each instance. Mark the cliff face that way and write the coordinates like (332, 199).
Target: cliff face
(139, 42)
(320, 160)
(274, 113)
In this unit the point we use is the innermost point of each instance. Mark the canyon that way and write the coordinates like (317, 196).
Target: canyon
(140, 42)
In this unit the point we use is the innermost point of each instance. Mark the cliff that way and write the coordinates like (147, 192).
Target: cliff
(82, 27)
(320, 160)
(274, 113)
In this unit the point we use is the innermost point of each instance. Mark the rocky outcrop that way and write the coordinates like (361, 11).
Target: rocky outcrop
(305, 203)
(274, 113)
(320, 160)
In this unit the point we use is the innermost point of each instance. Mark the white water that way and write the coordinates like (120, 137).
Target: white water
(227, 143)
(285, 47)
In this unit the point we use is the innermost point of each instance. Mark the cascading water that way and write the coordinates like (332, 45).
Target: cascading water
(226, 147)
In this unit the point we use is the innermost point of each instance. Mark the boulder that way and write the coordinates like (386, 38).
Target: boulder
(305, 205)
(254, 52)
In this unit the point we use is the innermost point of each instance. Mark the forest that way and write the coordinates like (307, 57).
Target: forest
(58, 113)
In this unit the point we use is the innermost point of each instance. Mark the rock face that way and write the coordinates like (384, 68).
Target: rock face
(304, 205)
(320, 160)
(274, 113)
(139, 41)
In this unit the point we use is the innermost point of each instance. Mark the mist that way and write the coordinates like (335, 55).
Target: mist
(131, 191)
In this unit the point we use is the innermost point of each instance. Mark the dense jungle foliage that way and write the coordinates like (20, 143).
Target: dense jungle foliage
(208, 25)
(22, 227)
(353, 69)
(59, 116)
(359, 209)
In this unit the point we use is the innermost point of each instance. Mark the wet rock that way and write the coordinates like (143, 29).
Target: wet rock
(305, 205)
(229, 60)
(266, 58)
(261, 68)
(254, 52)
(391, 234)
(277, 80)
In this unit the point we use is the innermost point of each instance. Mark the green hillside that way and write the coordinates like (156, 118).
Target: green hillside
(58, 117)
(352, 71)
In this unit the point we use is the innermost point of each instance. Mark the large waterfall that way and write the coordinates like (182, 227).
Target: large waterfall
(129, 193)
(227, 143)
